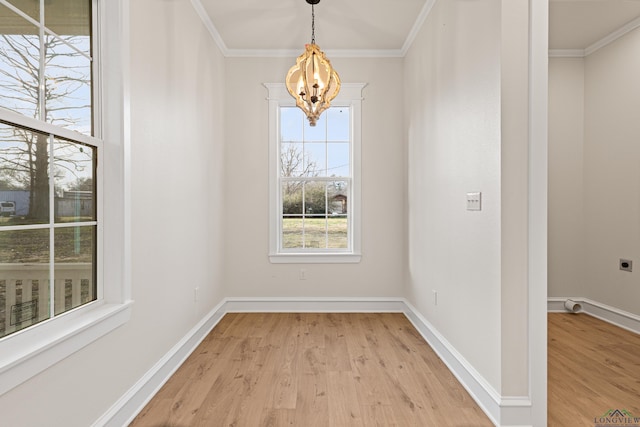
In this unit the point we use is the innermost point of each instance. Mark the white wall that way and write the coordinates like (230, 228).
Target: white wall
(177, 96)
(566, 159)
(200, 134)
(594, 176)
(466, 103)
(452, 91)
(248, 270)
(611, 172)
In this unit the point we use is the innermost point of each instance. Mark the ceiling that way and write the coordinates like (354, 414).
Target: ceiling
(340, 24)
(383, 27)
(579, 24)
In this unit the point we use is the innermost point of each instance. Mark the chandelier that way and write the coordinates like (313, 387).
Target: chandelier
(312, 81)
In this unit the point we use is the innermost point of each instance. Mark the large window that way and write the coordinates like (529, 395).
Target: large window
(63, 280)
(47, 174)
(315, 180)
(315, 170)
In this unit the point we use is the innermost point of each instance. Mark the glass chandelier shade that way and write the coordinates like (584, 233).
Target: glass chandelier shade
(312, 81)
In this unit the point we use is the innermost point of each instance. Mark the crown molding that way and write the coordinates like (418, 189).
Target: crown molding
(333, 53)
(422, 16)
(291, 53)
(627, 28)
(215, 35)
(566, 53)
(389, 53)
(606, 40)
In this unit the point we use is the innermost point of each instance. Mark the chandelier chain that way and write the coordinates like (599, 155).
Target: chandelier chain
(313, 25)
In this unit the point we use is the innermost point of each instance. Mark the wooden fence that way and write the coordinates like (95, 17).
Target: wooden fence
(25, 293)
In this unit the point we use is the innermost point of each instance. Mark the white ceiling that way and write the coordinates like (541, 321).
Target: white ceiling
(579, 24)
(349, 25)
(377, 27)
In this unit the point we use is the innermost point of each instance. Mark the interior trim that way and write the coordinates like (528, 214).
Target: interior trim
(290, 53)
(502, 410)
(607, 313)
(606, 40)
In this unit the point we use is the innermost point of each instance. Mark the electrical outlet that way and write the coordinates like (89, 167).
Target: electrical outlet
(435, 297)
(626, 264)
(195, 294)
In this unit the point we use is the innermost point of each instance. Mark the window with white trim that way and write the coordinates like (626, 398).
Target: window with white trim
(48, 241)
(54, 298)
(315, 179)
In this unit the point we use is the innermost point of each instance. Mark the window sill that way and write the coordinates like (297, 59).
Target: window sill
(31, 351)
(308, 258)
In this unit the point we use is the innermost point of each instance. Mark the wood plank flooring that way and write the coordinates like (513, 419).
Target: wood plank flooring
(312, 369)
(593, 367)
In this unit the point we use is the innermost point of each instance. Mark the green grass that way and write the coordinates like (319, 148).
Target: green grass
(72, 244)
(327, 233)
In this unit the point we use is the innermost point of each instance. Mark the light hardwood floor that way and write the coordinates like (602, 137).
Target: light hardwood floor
(593, 367)
(313, 369)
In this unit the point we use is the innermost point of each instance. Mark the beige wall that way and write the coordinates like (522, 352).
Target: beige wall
(452, 90)
(177, 95)
(612, 172)
(467, 118)
(199, 133)
(566, 193)
(248, 271)
(594, 176)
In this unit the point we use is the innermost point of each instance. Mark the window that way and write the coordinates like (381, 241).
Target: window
(56, 292)
(315, 179)
(48, 242)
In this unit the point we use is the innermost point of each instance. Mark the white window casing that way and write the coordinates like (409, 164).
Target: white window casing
(350, 96)
(27, 352)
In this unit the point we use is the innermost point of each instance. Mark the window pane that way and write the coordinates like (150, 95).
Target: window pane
(337, 193)
(66, 90)
(292, 198)
(315, 198)
(75, 191)
(75, 273)
(315, 232)
(19, 64)
(29, 7)
(317, 132)
(291, 159)
(68, 17)
(315, 155)
(24, 176)
(338, 159)
(292, 233)
(68, 82)
(337, 230)
(338, 124)
(291, 121)
(24, 279)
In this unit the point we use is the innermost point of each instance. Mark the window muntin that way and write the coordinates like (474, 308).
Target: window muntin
(281, 134)
(315, 181)
(46, 61)
(49, 173)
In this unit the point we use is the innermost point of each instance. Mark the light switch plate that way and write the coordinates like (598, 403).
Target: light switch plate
(474, 201)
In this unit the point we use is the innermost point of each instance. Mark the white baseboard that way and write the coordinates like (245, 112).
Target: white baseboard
(607, 313)
(135, 399)
(314, 305)
(502, 410)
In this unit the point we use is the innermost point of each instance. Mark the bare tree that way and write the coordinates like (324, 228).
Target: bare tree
(293, 162)
(44, 81)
